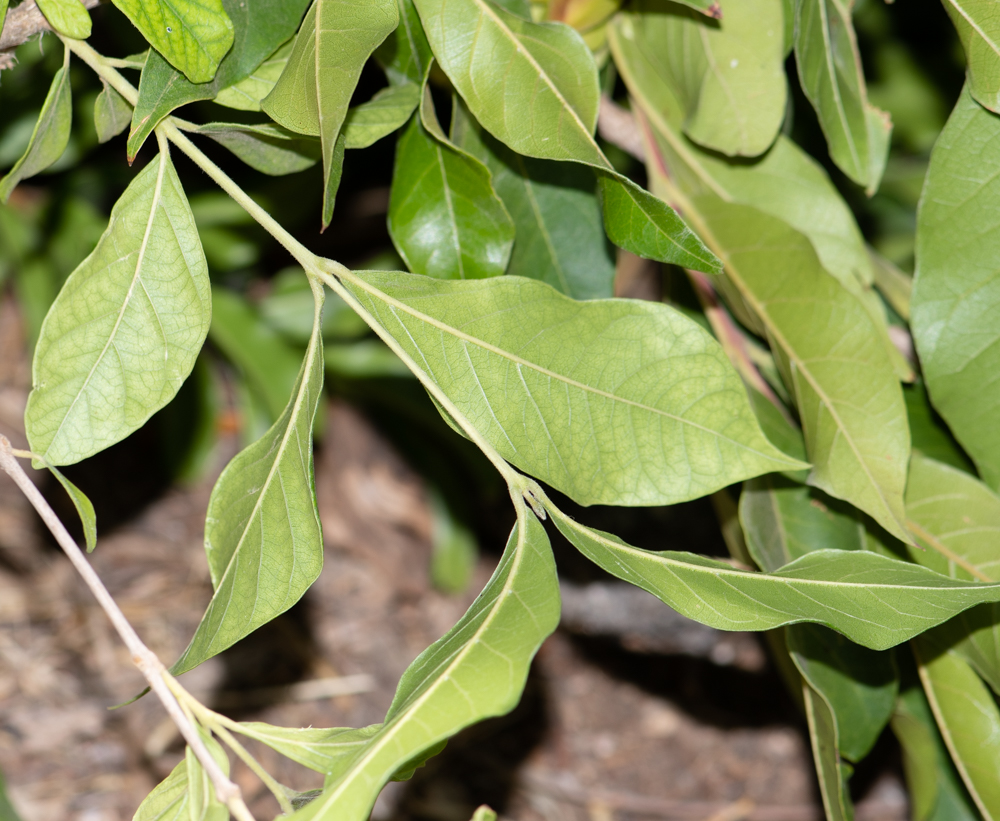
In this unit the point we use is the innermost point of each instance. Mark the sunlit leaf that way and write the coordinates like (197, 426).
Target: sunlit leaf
(979, 30)
(126, 328)
(187, 794)
(246, 95)
(319, 749)
(84, 507)
(68, 17)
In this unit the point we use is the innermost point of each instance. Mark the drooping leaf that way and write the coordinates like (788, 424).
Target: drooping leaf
(826, 53)
(846, 390)
(384, 113)
(405, 55)
(50, 135)
(873, 600)
(509, 53)
(84, 507)
(445, 219)
(258, 28)
(112, 114)
(968, 719)
(611, 401)
(335, 40)
(247, 94)
(956, 290)
(979, 30)
(728, 76)
(125, 330)
(322, 750)
(187, 794)
(478, 669)
(832, 770)
(559, 234)
(192, 35)
(262, 531)
(267, 148)
(69, 17)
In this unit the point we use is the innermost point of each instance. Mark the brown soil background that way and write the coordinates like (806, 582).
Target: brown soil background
(631, 712)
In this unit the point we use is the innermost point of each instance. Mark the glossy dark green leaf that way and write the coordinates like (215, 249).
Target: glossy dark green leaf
(262, 532)
(69, 17)
(611, 401)
(267, 148)
(384, 113)
(192, 35)
(335, 40)
(826, 53)
(979, 30)
(405, 55)
(875, 601)
(956, 291)
(478, 669)
(50, 136)
(445, 219)
(84, 507)
(259, 27)
(127, 326)
(728, 75)
(560, 236)
(112, 114)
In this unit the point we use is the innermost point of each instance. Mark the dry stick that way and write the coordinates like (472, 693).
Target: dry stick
(149, 665)
(21, 24)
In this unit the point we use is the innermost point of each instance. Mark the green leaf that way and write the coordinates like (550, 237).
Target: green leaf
(187, 794)
(192, 35)
(69, 17)
(322, 750)
(455, 549)
(610, 401)
(783, 520)
(405, 55)
(3, 12)
(875, 601)
(846, 390)
(826, 53)
(7, 811)
(478, 669)
(112, 114)
(928, 433)
(956, 290)
(728, 76)
(259, 27)
(968, 719)
(559, 234)
(335, 40)
(125, 330)
(262, 531)
(247, 94)
(84, 507)
(267, 148)
(508, 54)
(979, 30)
(384, 113)
(445, 219)
(832, 770)
(50, 135)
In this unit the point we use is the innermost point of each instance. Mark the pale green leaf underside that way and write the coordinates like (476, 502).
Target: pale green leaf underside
(320, 749)
(956, 290)
(68, 17)
(611, 401)
(832, 770)
(84, 507)
(246, 95)
(978, 26)
(384, 113)
(125, 330)
(112, 114)
(186, 794)
(873, 600)
(263, 537)
(267, 148)
(476, 670)
(192, 35)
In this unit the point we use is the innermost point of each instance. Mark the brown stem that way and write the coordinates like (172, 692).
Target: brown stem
(23, 23)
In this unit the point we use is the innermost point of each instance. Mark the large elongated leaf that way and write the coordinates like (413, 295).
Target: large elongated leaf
(267, 148)
(125, 330)
(873, 600)
(314, 91)
(555, 208)
(476, 670)
(259, 27)
(50, 136)
(193, 35)
(846, 389)
(491, 54)
(611, 401)
(729, 76)
(979, 30)
(832, 770)
(956, 291)
(262, 531)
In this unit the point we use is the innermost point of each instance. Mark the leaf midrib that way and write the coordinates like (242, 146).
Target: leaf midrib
(835, 85)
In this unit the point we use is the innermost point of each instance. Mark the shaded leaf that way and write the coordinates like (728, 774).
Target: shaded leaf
(873, 600)
(384, 113)
(956, 291)
(192, 35)
(263, 537)
(69, 17)
(50, 135)
(322, 750)
(267, 148)
(478, 669)
(979, 30)
(112, 114)
(247, 94)
(611, 401)
(826, 53)
(7, 811)
(405, 55)
(312, 95)
(832, 770)
(84, 507)
(928, 433)
(125, 330)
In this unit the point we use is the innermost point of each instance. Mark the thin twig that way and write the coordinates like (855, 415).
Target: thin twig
(149, 665)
